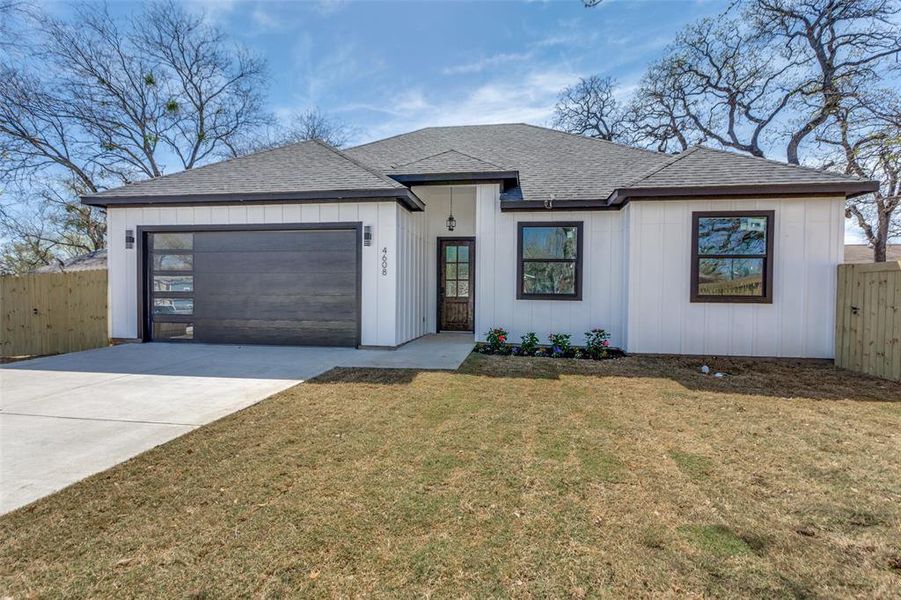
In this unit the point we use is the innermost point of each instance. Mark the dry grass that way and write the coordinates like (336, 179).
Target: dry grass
(514, 477)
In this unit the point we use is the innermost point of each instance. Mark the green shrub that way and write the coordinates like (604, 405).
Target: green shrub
(596, 343)
(561, 344)
(529, 344)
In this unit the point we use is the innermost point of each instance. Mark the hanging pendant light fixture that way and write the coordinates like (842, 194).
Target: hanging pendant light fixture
(451, 221)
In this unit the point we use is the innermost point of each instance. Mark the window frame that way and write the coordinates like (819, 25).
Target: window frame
(520, 261)
(767, 297)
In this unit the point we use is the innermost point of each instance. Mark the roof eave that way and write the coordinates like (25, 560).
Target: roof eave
(454, 177)
(403, 195)
(849, 189)
(538, 205)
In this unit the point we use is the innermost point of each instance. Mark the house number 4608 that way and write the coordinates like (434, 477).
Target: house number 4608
(385, 261)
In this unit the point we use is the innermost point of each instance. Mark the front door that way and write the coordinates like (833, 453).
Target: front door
(456, 284)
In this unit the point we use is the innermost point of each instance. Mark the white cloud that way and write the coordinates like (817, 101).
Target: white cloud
(265, 19)
(215, 12)
(487, 62)
(329, 7)
(526, 98)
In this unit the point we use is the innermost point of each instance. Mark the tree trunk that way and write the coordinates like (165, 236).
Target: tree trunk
(879, 244)
(879, 251)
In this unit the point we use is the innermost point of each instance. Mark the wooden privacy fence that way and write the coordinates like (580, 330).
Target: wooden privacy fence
(868, 319)
(50, 313)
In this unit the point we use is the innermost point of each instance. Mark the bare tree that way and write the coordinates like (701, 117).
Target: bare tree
(785, 74)
(103, 102)
(724, 84)
(654, 116)
(590, 108)
(843, 44)
(866, 135)
(312, 124)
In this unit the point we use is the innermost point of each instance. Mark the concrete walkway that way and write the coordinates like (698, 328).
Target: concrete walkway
(65, 417)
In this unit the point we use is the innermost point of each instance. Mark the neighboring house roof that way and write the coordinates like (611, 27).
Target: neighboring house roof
(295, 171)
(862, 253)
(535, 164)
(92, 261)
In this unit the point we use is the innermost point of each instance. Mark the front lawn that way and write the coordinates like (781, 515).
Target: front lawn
(513, 477)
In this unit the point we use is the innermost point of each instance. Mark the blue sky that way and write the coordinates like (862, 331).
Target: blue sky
(386, 67)
(389, 67)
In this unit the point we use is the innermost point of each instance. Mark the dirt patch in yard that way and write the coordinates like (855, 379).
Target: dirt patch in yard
(634, 477)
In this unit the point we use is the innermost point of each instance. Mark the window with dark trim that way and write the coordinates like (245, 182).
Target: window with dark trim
(732, 256)
(549, 261)
(171, 281)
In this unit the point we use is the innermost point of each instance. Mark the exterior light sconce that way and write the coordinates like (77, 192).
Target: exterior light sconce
(451, 221)
(367, 235)
(129, 239)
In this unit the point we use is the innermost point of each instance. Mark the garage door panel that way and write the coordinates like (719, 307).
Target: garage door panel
(285, 332)
(295, 287)
(322, 261)
(265, 241)
(277, 308)
(280, 284)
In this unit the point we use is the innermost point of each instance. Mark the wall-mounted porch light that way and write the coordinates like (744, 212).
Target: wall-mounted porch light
(129, 239)
(367, 235)
(451, 221)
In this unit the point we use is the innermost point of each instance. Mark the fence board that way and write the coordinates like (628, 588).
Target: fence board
(51, 313)
(868, 319)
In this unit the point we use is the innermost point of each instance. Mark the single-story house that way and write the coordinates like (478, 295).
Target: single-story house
(862, 253)
(92, 261)
(473, 227)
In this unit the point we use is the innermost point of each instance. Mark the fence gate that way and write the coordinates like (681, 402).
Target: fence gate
(51, 313)
(868, 319)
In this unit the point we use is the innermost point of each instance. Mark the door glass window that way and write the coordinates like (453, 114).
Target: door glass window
(456, 271)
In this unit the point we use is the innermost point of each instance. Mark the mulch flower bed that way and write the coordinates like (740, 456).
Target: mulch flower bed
(559, 345)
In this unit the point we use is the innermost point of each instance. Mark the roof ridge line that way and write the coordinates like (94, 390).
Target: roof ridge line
(364, 166)
(390, 137)
(487, 162)
(668, 163)
(476, 158)
(600, 140)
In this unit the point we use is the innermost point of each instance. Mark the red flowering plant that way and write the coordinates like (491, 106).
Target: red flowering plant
(597, 344)
(496, 340)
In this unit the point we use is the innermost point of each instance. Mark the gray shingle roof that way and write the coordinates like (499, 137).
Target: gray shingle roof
(550, 164)
(450, 161)
(303, 167)
(861, 253)
(700, 166)
(92, 261)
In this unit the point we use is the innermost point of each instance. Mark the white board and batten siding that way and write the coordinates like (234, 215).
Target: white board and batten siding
(637, 278)
(809, 238)
(379, 286)
(636, 271)
(438, 207)
(602, 279)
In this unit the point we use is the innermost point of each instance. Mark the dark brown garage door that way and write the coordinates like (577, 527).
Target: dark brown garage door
(298, 287)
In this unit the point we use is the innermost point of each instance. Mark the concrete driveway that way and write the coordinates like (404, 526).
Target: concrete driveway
(65, 417)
